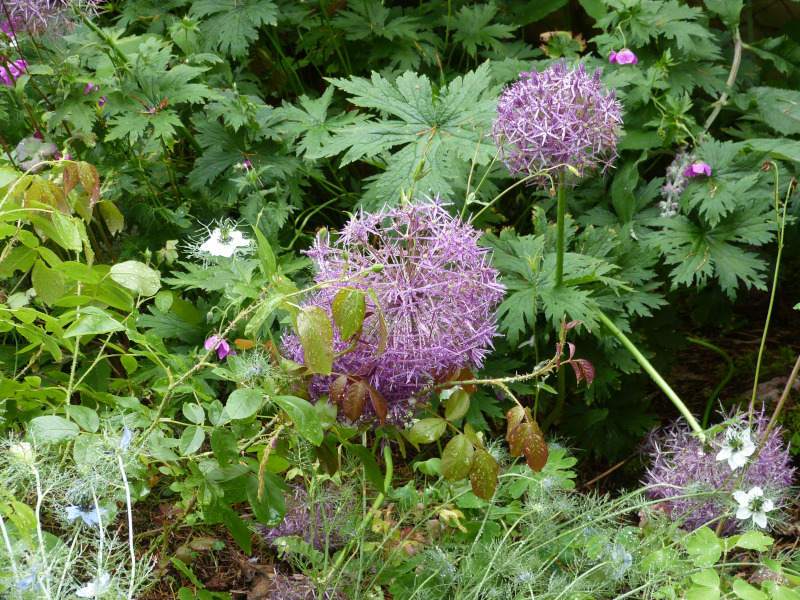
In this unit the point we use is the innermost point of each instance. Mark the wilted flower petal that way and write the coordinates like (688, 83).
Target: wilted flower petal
(93, 588)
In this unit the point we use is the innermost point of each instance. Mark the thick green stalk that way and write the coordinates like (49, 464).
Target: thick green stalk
(668, 391)
(562, 211)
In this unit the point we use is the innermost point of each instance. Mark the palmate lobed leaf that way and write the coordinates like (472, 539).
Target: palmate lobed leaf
(233, 25)
(443, 128)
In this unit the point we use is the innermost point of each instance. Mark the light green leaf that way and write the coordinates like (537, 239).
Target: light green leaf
(426, 431)
(51, 429)
(194, 413)
(745, 591)
(191, 440)
(315, 331)
(48, 283)
(457, 458)
(243, 403)
(348, 311)
(85, 417)
(304, 416)
(137, 277)
(92, 321)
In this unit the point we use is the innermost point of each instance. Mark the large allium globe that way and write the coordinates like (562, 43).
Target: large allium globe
(681, 466)
(437, 292)
(555, 118)
(41, 16)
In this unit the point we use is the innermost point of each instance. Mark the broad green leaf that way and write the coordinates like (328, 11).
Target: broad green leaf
(371, 469)
(194, 413)
(224, 447)
(266, 255)
(315, 331)
(483, 474)
(111, 215)
(779, 592)
(779, 108)
(706, 586)
(243, 403)
(754, 540)
(304, 417)
(269, 507)
(68, 234)
(191, 440)
(704, 547)
(233, 26)
(52, 429)
(426, 431)
(137, 277)
(457, 405)
(48, 283)
(219, 512)
(85, 417)
(623, 185)
(745, 591)
(92, 321)
(348, 311)
(457, 458)
(729, 11)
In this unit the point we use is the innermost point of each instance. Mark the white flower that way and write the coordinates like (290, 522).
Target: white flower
(736, 447)
(753, 504)
(224, 241)
(93, 588)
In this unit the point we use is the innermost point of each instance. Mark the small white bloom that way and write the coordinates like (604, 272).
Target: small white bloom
(752, 504)
(224, 241)
(736, 447)
(93, 588)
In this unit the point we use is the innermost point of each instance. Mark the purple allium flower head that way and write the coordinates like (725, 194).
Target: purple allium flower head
(12, 71)
(681, 466)
(623, 57)
(297, 521)
(556, 118)
(436, 291)
(697, 169)
(222, 347)
(46, 15)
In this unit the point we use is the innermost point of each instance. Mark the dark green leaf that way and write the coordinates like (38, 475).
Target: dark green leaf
(457, 458)
(243, 403)
(224, 447)
(270, 507)
(348, 311)
(426, 431)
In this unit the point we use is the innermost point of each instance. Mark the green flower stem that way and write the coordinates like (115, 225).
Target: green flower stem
(722, 383)
(562, 211)
(668, 391)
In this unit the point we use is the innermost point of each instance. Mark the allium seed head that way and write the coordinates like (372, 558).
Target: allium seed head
(556, 118)
(436, 291)
(681, 467)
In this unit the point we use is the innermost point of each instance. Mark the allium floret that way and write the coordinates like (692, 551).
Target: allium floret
(555, 121)
(682, 467)
(49, 16)
(436, 291)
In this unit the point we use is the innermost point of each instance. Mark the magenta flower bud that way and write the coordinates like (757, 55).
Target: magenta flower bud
(38, 135)
(90, 87)
(102, 101)
(698, 169)
(66, 156)
(623, 57)
(247, 164)
(221, 346)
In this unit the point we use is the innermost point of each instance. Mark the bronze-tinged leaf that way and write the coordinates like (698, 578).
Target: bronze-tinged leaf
(583, 369)
(243, 344)
(355, 399)
(457, 458)
(518, 439)
(535, 447)
(338, 388)
(514, 417)
(378, 402)
(466, 374)
(483, 475)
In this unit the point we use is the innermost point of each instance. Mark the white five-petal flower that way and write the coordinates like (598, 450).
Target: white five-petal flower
(737, 447)
(93, 588)
(753, 504)
(224, 241)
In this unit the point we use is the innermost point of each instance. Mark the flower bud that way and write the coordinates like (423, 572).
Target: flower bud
(22, 452)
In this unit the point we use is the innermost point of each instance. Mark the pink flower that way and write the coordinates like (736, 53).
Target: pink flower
(12, 71)
(65, 157)
(221, 346)
(698, 169)
(247, 164)
(90, 87)
(101, 101)
(623, 57)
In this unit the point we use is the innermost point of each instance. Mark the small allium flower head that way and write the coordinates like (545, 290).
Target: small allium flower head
(222, 347)
(623, 57)
(46, 15)
(753, 504)
(556, 118)
(435, 288)
(681, 467)
(736, 447)
(696, 169)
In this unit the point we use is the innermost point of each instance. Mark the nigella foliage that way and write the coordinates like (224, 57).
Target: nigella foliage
(556, 118)
(683, 467)
(433, 285)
